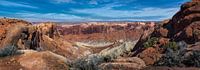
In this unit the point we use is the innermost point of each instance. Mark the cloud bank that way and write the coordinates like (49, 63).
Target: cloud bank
(89, 10)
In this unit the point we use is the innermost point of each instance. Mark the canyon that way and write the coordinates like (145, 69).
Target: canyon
(172, 44)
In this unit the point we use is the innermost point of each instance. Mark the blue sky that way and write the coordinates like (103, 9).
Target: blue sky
(89, 10)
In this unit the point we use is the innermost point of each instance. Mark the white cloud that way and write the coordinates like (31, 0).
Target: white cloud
(107, 11)
(40, 17)
(93, 2)
(13, 4)
(118, 15)
(64, 1)
(59, 17)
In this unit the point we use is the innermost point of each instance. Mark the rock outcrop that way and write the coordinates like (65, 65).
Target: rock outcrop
(150, 56)
(21, 35)
(185, 23)
(31, 60)
(173, 41)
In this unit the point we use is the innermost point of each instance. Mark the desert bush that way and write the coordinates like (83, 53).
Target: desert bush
(90, 62)
(173, 55)
(171, 45)
(180, 57)
(193, 59)
(8, 50)
(150, 42)
(180, 60)
(170, 58)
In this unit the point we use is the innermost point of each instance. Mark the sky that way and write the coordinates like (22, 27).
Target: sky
(89, 10)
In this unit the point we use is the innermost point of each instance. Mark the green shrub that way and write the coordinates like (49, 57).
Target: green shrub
(150, 42)
(90, 62)
(193, 59)
(171, 45)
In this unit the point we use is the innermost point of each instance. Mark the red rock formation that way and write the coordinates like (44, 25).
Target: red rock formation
(186, 22)
(108, 32)
(150, 56)
(41, 37)
(172, 35)
(7, 24)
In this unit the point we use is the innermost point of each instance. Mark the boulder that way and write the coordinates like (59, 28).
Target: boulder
(163, 32)
(150, 55)
(163, 41)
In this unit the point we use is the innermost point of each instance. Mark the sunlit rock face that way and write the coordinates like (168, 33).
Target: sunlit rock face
(104, 31)
(185, 23)
(173, 41)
